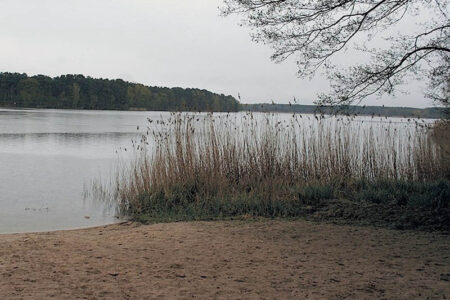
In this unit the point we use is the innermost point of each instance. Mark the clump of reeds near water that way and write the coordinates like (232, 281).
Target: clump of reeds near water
(196, 166)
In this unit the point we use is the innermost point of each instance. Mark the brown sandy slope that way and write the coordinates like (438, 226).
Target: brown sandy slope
(226, 260)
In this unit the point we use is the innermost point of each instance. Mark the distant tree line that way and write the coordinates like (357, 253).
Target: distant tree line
(409, 112)
(80, 92)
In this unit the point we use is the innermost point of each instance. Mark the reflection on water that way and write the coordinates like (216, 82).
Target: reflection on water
(47, 156)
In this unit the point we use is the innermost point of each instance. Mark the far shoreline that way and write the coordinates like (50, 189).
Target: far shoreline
(241, 111)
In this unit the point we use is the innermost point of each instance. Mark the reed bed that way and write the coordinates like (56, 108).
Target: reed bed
(197, 166)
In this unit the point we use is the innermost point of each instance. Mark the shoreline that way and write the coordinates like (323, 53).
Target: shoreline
(225, 259)
(65, 230)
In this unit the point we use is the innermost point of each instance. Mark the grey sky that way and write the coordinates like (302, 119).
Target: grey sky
(155, 42)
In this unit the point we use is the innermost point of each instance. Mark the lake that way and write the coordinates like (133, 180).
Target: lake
(48, 157)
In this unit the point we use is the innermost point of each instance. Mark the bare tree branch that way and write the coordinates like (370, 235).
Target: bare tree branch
(315, 31)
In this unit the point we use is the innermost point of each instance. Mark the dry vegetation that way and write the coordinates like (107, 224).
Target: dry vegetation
(441, 136)
(198, 166)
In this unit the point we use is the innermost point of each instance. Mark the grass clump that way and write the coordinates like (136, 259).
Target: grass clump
(203, 167)
(414, 194)
(181, 205)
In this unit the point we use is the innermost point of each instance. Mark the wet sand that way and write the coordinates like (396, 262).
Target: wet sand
(226, 260)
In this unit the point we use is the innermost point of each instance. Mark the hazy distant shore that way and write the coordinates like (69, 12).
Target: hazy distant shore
(375, 111)
(372, 111)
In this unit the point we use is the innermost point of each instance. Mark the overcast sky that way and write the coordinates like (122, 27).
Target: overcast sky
(171, 43)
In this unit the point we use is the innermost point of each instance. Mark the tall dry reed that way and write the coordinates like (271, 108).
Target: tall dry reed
(205, 156)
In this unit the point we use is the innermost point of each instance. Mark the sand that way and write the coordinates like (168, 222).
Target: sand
(226, 260)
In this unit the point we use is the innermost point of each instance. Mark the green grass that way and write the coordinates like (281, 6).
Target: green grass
(187, 202)
(432, 195)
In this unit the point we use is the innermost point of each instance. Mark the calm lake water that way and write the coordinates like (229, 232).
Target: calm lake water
(47, 157)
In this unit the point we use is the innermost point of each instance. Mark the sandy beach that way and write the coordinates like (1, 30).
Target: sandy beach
(226, 260)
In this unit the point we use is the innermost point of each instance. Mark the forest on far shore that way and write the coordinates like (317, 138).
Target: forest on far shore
(80, 92)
